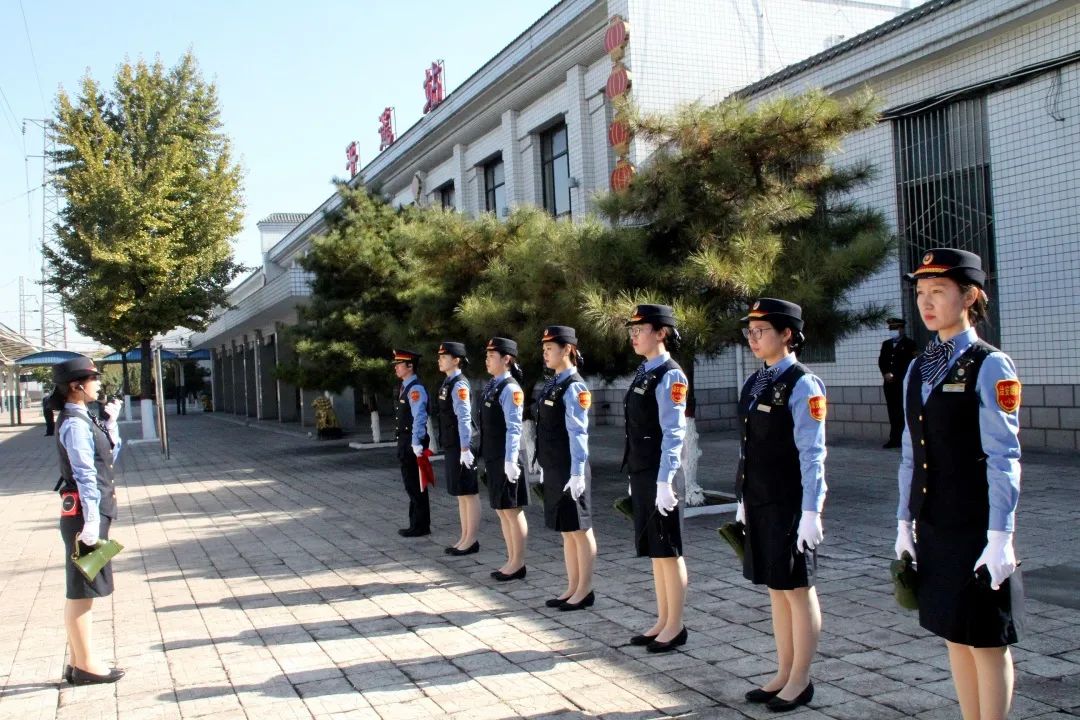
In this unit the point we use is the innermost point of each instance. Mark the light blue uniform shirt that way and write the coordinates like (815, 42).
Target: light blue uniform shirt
(419, 410)
(809, 434)
(672, 418)
(577, 422)
(78, 440)
(512, 414)
(998, 429)
(462, 408)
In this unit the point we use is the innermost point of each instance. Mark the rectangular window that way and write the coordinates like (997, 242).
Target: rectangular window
(495, 187)
(445, 196)
(943, 194)
(555, 170)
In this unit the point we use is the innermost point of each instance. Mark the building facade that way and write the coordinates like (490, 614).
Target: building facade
(971, 152)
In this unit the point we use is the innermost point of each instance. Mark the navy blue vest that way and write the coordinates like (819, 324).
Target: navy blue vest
(644, 436)
(769, 470)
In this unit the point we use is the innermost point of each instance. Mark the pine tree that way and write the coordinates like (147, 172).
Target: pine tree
(342, 334)
(151, 200)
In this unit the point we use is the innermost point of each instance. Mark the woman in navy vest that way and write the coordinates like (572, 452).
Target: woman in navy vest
(562, 448)
(455, 439)
(88, 449)
(655, 414)
(960, 482)
(500, 444)
(780, 486)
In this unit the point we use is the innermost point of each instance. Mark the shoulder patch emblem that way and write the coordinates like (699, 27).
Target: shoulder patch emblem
(463, 393)
(519, 397)
(414, 396)
(1008, 395)
(678, 393)
(818, 407)
(584, 399)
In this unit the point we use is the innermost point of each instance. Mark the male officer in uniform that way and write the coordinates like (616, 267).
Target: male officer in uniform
(896, 354)
(412, 439)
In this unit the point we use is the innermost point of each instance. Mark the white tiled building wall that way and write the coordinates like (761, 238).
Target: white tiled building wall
(1034, 164)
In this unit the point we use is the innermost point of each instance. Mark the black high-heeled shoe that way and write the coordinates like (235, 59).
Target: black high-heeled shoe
(474, 548)
(67, 673)
(758, 695)
(518, 574)
(555, 602)
(586, 602)
(657, 646)
(642, 640)
(779, 704)
(82, 677)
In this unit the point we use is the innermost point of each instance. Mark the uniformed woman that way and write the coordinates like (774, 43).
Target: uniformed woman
(780, 486)
(88, 449)
(500, 444)
(455, 439)
(655, 414)
(562, 447)
(959, 484)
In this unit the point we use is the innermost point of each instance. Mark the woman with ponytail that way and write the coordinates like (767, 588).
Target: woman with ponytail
(500, 445)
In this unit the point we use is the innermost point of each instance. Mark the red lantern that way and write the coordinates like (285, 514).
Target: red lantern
(618, 83)
(617, 35)
(621, 176)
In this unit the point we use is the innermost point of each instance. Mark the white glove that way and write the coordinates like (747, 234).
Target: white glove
(576, 486)
(629, 488)
(539, 475)
(418, 450)
(467, 458)
(665, 498)
(740, 514)
(810, 531)
(998, 557)
(905, 539)
(513, 472)
(91, 524)
(113, 411)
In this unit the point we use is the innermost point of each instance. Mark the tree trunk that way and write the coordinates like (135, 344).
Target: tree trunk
(146, 378)
(691, 451)
(124, 389)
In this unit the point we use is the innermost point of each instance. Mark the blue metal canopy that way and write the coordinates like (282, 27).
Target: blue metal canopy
(47, 357)
(135, 355)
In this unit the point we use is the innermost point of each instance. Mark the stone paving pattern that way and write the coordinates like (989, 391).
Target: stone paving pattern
(263, 578)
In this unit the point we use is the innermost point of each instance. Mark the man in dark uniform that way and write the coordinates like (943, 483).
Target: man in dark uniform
(50, 416)
(412, 439)
(896, 354)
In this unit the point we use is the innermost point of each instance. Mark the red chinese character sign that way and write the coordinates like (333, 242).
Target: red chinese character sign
(619, 82)
(386, 128)
(433, 86)
(352, 158)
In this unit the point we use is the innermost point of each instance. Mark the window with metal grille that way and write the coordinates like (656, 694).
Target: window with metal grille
(495, 187)
(943, 195)
(555, 165)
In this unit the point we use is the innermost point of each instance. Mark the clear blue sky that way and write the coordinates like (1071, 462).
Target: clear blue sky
(297, 81)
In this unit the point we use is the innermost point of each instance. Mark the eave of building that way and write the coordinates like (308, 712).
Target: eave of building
(533, 63)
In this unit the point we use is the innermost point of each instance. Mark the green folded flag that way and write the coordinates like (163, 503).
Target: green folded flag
(625, 506)
(905, 582)
(734, 533)
(481, 475)
(537, 491)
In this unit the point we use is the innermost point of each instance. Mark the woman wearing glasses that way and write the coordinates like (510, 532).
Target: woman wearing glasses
(780, 486)
(655, 412)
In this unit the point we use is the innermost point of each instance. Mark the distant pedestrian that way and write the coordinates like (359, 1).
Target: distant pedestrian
(50, 416)
(896, 354)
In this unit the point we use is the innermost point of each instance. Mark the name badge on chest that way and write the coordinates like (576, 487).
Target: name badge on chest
(550, 403)
(954, 387)
(764, 408)
(640, 390)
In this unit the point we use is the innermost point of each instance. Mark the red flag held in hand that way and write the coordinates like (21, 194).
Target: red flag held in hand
(427, 473)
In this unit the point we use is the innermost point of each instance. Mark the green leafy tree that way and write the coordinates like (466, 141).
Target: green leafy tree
(342, 334)
(151, 200)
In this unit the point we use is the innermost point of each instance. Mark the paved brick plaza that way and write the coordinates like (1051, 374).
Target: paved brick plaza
(263, 579)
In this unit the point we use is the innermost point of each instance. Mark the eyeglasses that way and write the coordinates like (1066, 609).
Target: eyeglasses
(637, 330)
(755, 333)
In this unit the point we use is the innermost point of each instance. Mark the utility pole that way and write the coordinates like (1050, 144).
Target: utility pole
(53, 317)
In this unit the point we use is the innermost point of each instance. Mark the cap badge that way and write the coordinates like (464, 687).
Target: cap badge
(757, 304)
(928, 258)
